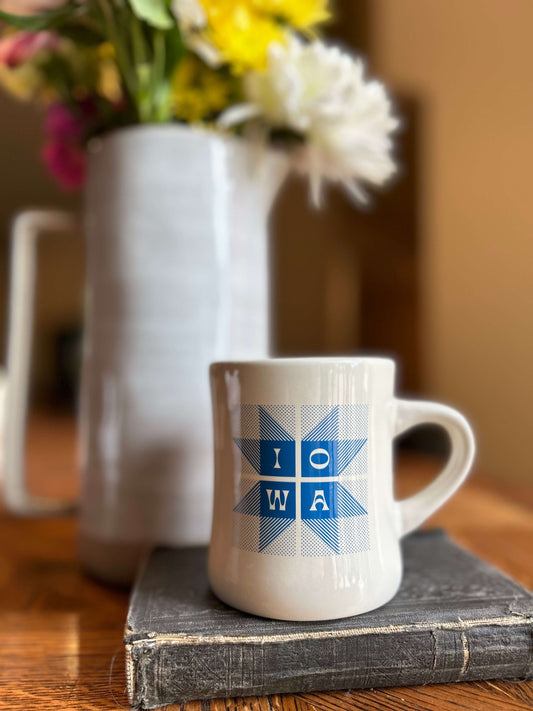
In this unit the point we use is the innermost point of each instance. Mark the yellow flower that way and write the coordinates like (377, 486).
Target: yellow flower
(109, 82)
(241, 32)
(198, 91)
(302, 14)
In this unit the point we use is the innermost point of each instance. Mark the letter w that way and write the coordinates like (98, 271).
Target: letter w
(277, 499)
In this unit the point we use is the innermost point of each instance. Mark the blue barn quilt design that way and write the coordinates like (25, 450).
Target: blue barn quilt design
(304, 496)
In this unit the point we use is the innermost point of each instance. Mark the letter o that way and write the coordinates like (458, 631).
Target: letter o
(317, 451)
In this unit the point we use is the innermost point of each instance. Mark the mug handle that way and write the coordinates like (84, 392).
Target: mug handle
(28, 228)
(409, 413)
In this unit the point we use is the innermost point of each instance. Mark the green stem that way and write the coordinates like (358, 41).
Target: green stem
(123, 60)
(141, 62)
(140, 52)
(159, 82)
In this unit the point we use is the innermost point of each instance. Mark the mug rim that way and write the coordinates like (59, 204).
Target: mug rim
(305, 361)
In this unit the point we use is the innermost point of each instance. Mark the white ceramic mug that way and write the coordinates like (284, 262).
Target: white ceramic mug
(305, 525)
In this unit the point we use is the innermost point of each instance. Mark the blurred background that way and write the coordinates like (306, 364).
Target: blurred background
(437, 272)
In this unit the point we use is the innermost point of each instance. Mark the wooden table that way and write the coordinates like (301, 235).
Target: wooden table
(61, 633)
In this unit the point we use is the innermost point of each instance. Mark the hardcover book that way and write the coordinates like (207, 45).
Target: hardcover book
(455, 618)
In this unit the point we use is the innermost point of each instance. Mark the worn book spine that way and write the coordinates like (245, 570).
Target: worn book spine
(174, 669)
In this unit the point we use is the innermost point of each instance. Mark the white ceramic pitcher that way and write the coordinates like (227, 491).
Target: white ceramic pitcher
(177, 276)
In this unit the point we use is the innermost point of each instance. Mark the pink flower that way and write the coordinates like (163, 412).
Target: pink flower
(66, 129)
(66, 161)
(62, 125)
(19, 48)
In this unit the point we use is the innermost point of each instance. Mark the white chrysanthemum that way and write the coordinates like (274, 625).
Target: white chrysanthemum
(321, 93)
(190, 14)
(192, 20)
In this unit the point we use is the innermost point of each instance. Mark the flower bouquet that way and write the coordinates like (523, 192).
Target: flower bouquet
(256, 68)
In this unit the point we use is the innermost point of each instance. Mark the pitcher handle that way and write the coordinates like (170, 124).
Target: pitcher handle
(28, 228)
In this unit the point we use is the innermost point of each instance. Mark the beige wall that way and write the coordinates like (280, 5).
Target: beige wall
(471, 65)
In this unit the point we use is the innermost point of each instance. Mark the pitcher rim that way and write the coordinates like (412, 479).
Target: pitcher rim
(155, 128)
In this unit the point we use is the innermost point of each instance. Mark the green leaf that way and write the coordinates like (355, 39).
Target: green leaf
(42, 21)
(154, 12)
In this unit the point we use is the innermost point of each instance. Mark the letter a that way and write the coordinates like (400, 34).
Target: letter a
(319, 498)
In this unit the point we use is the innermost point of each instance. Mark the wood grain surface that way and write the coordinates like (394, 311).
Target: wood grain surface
(61, 646)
